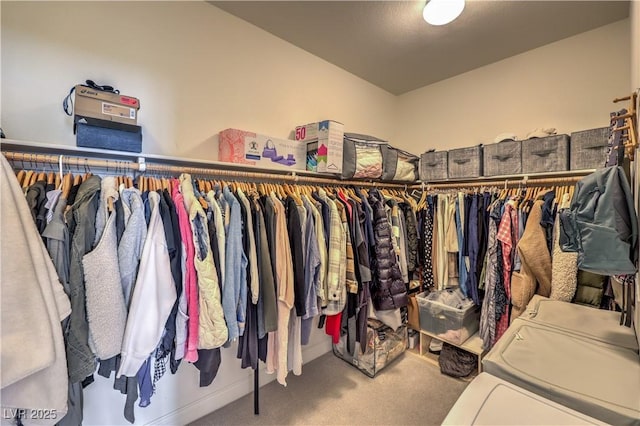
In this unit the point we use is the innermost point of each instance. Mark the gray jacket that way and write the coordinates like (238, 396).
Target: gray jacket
(81, 219)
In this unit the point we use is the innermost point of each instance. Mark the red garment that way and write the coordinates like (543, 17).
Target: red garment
(344, 198)
(332, 327)
(508, 236)
(190, 278)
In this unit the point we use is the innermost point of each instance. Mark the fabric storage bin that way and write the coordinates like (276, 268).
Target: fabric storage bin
(103, 134)
(362, 157)
(589, 148)
(503, 158)
(548, 154)
(448, 323)
(433, 166)
(465, 162)
(383, 346)
(398, 165)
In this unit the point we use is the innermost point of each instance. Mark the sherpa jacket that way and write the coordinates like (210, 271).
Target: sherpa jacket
(33, 303)
(535, 273)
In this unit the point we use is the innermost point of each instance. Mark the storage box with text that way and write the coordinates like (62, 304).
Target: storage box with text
(328, 136)
(240, 146)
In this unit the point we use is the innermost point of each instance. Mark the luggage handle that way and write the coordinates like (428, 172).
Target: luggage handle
(432, 164)
(544, 153)
(595, 147)
(461, 160)
(502, 157)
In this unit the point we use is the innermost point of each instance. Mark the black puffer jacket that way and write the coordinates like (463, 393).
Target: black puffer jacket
(411, 230)
(388, 289)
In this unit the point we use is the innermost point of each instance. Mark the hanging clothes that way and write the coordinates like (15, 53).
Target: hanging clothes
(311, 270)
(507, 236)
(493, 304)
(535, 273)
(30, 290)
(441, 252)
(285, 291)
(153, 297)
(187, 322)
(234, 296)
(81, 221)
(463, 261)
(389, 291)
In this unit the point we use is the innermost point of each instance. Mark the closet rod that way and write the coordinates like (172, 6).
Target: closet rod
(34, 161)
(509, 183)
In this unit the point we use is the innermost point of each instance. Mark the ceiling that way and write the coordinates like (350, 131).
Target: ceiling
(389, 44)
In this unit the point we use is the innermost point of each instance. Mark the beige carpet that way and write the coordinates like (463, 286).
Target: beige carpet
(331, 392)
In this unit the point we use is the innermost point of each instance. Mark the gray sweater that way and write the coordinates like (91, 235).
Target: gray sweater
(132, 242)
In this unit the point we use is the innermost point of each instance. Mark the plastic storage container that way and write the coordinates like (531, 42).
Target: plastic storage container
(383, 346)
(446, 322)
(589, 148)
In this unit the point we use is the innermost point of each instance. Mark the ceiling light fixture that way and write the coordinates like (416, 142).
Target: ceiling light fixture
(441, 12)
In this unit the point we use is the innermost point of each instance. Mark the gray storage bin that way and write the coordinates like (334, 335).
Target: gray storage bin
(589, 148)
(445, 322)
(548, 154)
(503, 158)
(433, 166)
(465, 162)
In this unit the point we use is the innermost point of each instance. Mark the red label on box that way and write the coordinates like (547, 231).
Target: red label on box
(129, 101)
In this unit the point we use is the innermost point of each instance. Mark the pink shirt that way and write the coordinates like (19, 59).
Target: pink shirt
(190, 279)
(507, 235)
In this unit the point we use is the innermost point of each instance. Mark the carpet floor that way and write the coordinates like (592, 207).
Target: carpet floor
(410, 391)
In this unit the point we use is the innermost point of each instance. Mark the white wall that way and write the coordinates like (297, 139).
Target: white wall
(568, 85)
(197, 70)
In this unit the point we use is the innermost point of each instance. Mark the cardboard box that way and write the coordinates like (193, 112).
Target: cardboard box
(105, 105)
(242, 147)
(329, 136)
(312, 156)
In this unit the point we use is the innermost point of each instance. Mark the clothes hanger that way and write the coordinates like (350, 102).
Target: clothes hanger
(67, 183)
(27, 179)
(20, 176)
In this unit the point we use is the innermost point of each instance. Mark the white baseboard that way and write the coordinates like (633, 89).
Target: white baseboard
(218, 399)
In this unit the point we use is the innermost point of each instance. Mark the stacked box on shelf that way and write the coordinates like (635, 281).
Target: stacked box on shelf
(383, 346)
(589, 148)
(503, 158)
(243, 147)
(446, 322)
(465, 163)
(433, 166)
(547, 154)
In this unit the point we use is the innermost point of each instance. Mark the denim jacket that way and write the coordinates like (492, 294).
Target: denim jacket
(234, 291)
